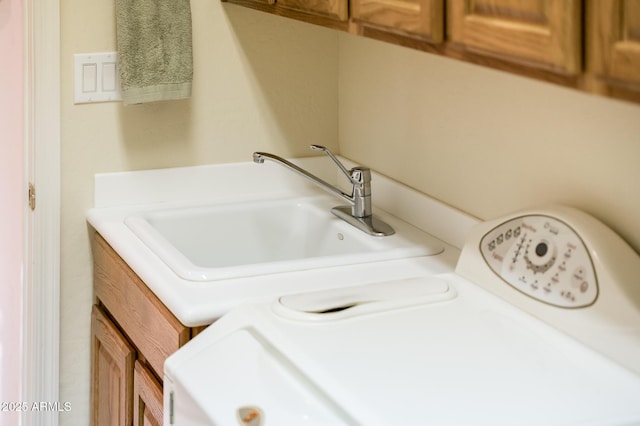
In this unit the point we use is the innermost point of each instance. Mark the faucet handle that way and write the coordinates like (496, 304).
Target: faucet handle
(360, 175)
(357, 175)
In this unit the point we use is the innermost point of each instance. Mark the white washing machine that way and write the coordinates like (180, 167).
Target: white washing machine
(539, 325)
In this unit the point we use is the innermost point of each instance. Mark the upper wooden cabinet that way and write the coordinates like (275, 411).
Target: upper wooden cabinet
(334, 9)
(328, 13)
(421, 18)
(590, 45)
(540, 33)
(613, 42)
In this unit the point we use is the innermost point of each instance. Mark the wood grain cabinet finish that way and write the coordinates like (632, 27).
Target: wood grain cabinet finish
(149, 325)
(147, 398)
(613, 42)
(538, 33)
(589, 45)
(112, 373)
(417, 18)
(334, 9)
(130, 326)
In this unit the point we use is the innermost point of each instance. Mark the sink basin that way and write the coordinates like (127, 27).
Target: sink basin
(214, 242)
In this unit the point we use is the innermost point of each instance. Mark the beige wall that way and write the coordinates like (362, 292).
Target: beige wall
(488, 142)
(260, 82)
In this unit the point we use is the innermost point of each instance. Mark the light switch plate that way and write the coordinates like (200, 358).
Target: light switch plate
(96, 77)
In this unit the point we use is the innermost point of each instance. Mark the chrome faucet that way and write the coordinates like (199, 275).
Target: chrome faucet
(359, 212)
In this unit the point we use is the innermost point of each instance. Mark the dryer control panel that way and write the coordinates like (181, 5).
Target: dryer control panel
(543, 258)
(566, 268)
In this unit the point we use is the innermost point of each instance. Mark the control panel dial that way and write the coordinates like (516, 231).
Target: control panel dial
(543, 258)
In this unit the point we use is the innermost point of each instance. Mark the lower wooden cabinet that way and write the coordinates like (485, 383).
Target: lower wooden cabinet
(132, 335)
(147, 397)
(112, 372)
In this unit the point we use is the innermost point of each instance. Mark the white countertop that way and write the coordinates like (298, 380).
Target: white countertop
(119, 195)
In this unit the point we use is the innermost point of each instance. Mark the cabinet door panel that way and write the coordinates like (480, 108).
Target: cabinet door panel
(335, 9)
(614, 43)
(541, 33)
(148, 323)
(147, 398)
(424, 18)
(112, 371)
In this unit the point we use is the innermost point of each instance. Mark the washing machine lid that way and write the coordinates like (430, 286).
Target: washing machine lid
(461, 356)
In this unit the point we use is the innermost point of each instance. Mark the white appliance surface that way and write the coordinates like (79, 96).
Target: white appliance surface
(481, 346)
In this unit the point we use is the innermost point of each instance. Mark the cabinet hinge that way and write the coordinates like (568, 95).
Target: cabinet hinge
(32, 196)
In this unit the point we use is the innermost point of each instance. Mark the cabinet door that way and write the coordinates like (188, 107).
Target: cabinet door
(112, 373)
(334, 9)
(539, 33)
(613, 35)
(147, 398)
(422, 18)
(149, 325)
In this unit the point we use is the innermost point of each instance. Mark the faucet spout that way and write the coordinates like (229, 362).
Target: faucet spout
(359, 213)
(260, 157)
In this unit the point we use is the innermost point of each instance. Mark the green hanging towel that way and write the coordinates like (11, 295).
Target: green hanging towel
(155, 54)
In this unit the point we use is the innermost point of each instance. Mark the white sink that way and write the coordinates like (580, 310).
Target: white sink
(215, 242)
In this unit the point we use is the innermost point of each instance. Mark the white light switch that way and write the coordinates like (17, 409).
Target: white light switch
(109, 77)
(89, 74)
(96, 77)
